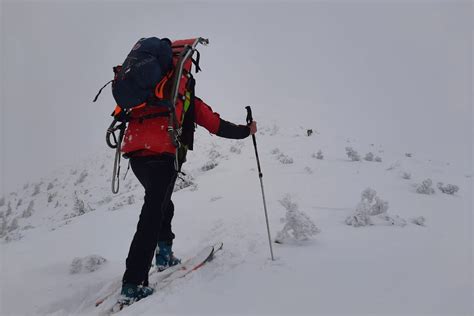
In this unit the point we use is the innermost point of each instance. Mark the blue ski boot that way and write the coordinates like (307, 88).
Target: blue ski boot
(164, 256)
(132, 293)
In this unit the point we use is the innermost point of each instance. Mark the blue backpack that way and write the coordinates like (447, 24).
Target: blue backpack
(145, 66)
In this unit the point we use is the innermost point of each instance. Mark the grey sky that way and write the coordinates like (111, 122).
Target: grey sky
(393, 72)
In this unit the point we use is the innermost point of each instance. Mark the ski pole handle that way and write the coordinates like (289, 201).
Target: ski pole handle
(249, 115)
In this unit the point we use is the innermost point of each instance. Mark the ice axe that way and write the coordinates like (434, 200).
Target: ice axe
(260, 175)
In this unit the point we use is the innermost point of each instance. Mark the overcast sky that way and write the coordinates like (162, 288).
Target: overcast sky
(397, 72)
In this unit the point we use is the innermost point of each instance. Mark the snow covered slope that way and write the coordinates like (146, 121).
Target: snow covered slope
(397, 266)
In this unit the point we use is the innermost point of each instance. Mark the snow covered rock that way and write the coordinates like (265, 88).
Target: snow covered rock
(87, 264)
(297, 225)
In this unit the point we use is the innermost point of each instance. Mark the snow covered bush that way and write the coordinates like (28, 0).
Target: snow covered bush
(378, 159)
(2, 201)
(186, 181)
(81, 178)
(308, 170)
(352, 154)
(51, 196)
(50, 186)
(369, 157)
(214, 154)
(297, 225)
(420, 221)
(87, 264)
(211, 164)
(409, 155)
(36, 189)
(425, 187)
(236, 148)
(3, 226)
(13, 225)
(29, 210)
(275, 151)
(372, 210)
(79, 208)
(406, 175)
(319, 155)
(284, 159)
(131, 200)
(9, 210)
(448, 188)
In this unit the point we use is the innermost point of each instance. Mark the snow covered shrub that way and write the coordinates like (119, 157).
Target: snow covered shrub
(211, 164)
(409, 155)
(284, 159)
(214, 154)
(236, 148)
(378, 159)
(379, 207)
(80, 207)
(37, 189)
(105, 200)
(297, 225)
(425, 187)
(448, 188)
(319, 155)
(406, 175)
(9, 210)
(81, 178)
(131, 200)
(29, 210)
(418, 220)
(2, 201)
(369, 157)
(352, 154)
(308, 170)
(20, 201)
(87, 264)
(3, 226)
(50, 186)
(275, 151)
(372, 210)
(13, 225)
(183, 182)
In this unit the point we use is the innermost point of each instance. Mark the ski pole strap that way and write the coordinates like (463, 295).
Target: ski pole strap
(100, 91)
(196, 61)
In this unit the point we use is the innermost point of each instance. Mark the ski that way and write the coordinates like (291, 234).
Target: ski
(159, 280)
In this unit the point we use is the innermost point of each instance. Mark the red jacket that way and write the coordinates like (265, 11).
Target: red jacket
(150, 136)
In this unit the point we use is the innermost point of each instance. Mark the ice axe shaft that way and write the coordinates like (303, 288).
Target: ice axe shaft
(260, 175)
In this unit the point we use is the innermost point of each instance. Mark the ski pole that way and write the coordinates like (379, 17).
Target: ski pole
(260, 175)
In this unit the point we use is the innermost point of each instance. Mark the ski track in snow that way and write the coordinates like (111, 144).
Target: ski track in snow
(343, 270)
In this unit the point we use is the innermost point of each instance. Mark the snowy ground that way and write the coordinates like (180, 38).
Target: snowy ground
(344, 270)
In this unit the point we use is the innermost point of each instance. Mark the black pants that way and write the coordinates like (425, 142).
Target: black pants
(157, 174)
